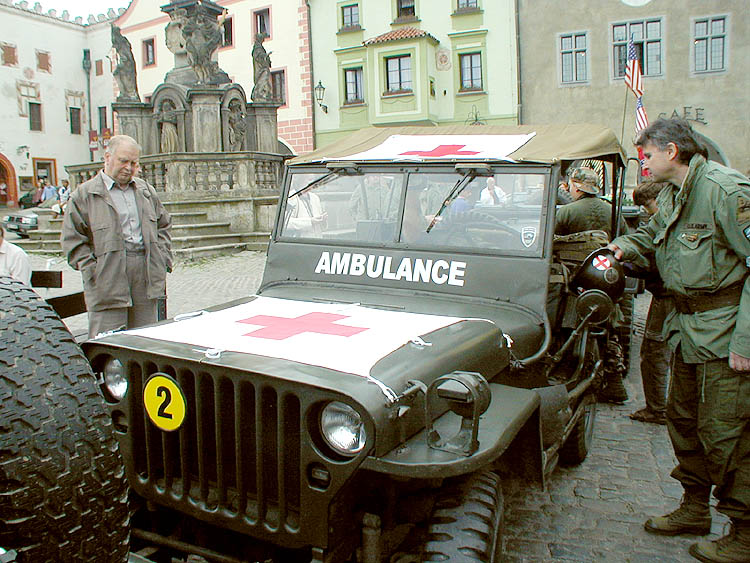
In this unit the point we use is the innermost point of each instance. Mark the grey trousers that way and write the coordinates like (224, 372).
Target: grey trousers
(655, 357)
(142, 312)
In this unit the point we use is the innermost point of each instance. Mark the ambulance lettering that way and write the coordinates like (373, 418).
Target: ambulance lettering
(414, 270)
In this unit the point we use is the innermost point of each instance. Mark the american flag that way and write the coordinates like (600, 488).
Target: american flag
(641, 119)
(633, 76)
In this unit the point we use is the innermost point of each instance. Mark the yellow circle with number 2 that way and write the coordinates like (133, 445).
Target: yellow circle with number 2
(164, 401)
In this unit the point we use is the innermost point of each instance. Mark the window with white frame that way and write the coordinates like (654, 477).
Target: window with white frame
(227, 32)
(647, 40)
(405, 9)
(709, 44)
(471, 71)
(350, 16)
(278, 86)
(573, 57)
(468, 4)
(262, 21)
(354, 92)
(398, 73)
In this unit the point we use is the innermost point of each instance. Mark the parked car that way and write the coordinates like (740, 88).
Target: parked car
(20, 222)
(402, 355)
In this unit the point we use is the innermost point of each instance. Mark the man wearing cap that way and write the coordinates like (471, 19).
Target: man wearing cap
(587, 212)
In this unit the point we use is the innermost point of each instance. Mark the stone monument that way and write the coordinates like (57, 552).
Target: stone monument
(197, 109)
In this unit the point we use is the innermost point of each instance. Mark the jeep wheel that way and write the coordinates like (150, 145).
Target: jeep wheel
(63, 491)
(577, 446)
(467, 522)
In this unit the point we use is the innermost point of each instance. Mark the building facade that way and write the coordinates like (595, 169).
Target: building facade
(694, 57)
(49, 102)
(286, 25)
(412, 62)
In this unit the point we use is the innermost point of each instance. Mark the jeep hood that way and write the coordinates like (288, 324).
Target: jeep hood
(386, 348)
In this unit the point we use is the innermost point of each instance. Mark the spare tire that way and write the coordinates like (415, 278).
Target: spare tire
(63, 490)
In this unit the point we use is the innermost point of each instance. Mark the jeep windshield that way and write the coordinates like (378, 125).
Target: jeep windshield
(496, 211)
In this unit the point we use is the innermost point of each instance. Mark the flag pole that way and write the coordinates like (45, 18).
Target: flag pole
(624, 112)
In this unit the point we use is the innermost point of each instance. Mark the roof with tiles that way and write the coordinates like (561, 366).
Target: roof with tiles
(399, 35)
(37, 9)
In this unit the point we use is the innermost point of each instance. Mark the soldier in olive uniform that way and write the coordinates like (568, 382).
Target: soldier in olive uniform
(587, 212)
(700, 241)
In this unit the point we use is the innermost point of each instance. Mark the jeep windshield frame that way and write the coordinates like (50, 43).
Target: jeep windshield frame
(399, 207)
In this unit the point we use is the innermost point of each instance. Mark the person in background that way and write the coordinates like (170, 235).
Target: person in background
(700, 242)
(37, 198)
(492, 194)
(655, 353)
(117, 233)
(587, 211)
(14, 262)
(49, 192)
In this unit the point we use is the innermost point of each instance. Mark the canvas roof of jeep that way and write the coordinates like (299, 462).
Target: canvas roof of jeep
(526, 143)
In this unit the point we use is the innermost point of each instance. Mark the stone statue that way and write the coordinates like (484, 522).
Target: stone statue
(124, 72)
(170, 141)
(262, 89)
(202, 37)
(173, 32)
(236, 125)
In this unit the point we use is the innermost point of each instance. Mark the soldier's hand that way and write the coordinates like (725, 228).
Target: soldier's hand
(738, 363)
(616, 249)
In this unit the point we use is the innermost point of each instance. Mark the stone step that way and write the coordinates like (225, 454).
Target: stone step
(187, 254)
(200, 229)
(188, 217)
(44, 234)
(209, 240)
(183, 248)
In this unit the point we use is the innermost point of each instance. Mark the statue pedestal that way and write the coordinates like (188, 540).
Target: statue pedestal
(263, 132)
(134, 119)
(206, 106)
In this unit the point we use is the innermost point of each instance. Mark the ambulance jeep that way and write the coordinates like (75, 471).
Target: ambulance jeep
(417, 338)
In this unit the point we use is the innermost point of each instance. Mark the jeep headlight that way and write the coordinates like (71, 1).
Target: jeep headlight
(26, 220)
(343, 428)
(6, 218)
(115, 379)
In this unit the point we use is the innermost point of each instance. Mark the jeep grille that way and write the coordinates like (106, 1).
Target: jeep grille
(236, 454)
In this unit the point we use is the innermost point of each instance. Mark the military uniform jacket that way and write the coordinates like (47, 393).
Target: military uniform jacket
(93, 241)
(584, 214)
(700, 241)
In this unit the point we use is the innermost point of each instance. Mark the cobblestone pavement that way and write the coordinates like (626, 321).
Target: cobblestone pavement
(593, 512)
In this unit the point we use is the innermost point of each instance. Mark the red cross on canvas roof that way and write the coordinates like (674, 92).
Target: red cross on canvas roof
(280, 328)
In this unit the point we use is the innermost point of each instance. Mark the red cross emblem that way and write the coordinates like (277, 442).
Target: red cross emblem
(280, 328)
(442, 150)
(601, 262)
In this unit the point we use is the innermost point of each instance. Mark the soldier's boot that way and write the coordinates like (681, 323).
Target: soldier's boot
(613, 390)
(732, 548)
(692, 517)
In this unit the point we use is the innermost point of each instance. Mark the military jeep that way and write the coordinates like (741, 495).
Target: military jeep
(413, 342)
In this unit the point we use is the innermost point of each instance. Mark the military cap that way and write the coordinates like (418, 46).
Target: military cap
(587, 180)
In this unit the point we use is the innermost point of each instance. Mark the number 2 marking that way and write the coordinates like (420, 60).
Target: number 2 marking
(166, 393)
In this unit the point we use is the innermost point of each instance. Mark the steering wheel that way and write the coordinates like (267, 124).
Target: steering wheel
(467, 226)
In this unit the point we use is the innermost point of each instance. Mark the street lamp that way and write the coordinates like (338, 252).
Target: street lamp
(320, 91)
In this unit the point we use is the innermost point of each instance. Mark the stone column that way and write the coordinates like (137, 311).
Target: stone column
(134, 120)
(263, 114)
(206, 106)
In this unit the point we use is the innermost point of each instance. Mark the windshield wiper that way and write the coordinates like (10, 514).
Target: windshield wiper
(452, 195)
(324, 179)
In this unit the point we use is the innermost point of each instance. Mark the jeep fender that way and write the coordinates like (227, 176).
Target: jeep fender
(512, 420)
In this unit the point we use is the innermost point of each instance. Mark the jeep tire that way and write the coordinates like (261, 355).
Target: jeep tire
(577, 446)
(467, 522)
(63, 490)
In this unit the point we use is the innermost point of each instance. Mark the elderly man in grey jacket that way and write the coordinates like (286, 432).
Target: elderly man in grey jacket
(117, 233)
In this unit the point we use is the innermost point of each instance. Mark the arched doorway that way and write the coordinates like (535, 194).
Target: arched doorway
(9, 195)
